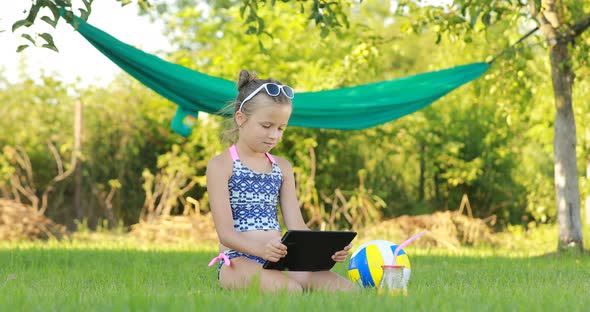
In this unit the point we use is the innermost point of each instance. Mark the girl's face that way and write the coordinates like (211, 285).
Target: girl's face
(264, 128)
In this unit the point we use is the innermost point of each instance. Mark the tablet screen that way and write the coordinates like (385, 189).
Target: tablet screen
(310, 250)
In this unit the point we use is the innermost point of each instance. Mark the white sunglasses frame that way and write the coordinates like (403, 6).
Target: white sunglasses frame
(263, 86)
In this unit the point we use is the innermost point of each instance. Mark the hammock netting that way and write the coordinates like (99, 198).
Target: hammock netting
(349, 108)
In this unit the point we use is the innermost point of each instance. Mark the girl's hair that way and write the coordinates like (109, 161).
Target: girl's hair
(247, 82)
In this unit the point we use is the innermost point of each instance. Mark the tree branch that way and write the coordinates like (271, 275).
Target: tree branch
(579, 27)
(575, 30)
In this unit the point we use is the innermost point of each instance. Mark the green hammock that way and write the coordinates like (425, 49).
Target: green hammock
(349, 108)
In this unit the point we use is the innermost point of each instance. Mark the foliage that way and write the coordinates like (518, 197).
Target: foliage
(560, 23)
(468, 20)
(118, 140)
(126, 129)
(50, 12)
(18, 183)
(31, 131)
(490, 140)
(164, 190)
(328, 16)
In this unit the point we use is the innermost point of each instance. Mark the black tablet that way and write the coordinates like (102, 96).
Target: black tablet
(310, 250)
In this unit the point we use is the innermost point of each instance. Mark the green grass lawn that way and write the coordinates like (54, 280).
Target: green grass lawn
(94, 277)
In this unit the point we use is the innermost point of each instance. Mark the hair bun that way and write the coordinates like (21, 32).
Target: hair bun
(245, 77)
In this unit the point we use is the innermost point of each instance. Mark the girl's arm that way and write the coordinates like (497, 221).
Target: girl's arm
(219, 171)
(288, 198)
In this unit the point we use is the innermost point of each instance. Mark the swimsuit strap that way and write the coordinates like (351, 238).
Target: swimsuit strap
(233, 150)
(269, 156)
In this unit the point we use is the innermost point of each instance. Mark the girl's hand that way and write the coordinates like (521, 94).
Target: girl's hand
(274, 250)
(340, 256)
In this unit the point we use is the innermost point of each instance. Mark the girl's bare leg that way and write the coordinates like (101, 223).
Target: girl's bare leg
(243, 272)
(323, 280)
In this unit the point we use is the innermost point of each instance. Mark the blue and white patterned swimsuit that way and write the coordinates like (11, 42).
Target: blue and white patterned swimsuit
(253, 198)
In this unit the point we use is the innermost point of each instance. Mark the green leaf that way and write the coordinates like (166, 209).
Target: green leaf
(260, 24)
(21, 23)
(48, 38)
(251, 17)
(251, 30)
(318, 19)
(88, 4)
(28, 37)
(474, 18)
(50, 46)
(21, 47)
(144, 4)
(49, 21)
(33, 12)
(64, 3)
(262, 48)
(345, 20)
(486, 19)
(84, 14)
(69, 16)
(266, 33)
(54, 10)
(464, 9)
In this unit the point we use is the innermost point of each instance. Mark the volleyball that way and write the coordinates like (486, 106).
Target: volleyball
(365, 263)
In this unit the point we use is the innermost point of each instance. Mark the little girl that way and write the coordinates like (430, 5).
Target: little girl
(246, 184)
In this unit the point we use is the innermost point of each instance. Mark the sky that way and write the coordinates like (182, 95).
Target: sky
(76, 58)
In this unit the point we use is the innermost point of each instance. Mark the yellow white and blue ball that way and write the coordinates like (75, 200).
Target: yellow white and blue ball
(365, 263)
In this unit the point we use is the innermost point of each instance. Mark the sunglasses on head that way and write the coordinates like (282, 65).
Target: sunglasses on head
(272, 89)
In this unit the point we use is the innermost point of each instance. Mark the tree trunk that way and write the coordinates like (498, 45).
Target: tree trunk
(567, 192)
(588, 195)
(79, 208)
(422, 173)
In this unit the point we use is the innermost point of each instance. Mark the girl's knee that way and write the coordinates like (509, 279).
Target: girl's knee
(288, 285)
(294, 287)
(280, 282)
